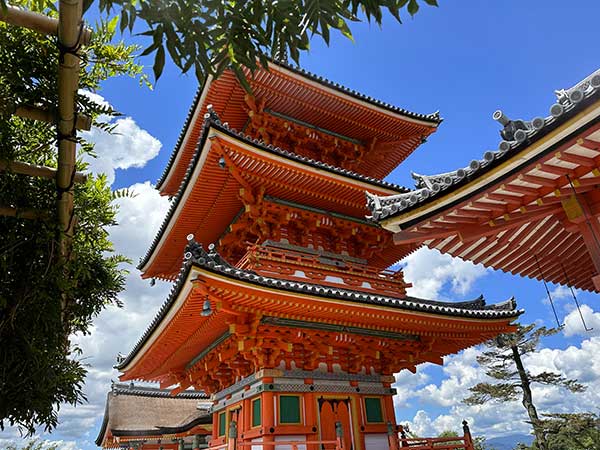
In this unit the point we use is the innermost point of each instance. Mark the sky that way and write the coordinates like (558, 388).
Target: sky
(465, 59)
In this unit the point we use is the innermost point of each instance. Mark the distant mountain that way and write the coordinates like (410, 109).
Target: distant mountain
(509, 442)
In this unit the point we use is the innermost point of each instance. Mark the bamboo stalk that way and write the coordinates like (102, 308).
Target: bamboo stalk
(36, 22)
(31, 112)
(23, 213)
(34, 170)
(69, 21)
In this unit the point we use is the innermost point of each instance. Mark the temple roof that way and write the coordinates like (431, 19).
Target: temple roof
(331, 97)
(212, 123)
(517, 135)
(146, 411)
(211, 261)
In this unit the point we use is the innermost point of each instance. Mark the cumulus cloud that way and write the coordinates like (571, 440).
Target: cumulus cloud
(431, 271)
(574, 324)
(117, 329)
(497, 419)
(128, 146)
(46, 443)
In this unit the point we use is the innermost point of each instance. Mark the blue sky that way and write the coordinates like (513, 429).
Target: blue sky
(465, 59)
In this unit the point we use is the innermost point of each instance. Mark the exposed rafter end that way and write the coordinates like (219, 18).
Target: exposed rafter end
(411, 237)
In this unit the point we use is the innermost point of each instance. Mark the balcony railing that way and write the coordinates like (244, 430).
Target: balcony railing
(322, 269)
(396, 438)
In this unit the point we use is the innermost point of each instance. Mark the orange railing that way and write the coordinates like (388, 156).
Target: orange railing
(397, 441)
(274, 260)
(464, 442)
(234, 443)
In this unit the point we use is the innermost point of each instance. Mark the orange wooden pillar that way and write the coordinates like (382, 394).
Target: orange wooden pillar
(268, 417)
(311, 418)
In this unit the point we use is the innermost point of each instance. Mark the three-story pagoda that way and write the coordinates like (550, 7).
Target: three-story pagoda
(283, 308)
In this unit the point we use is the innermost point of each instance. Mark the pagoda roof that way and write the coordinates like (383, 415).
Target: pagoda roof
(430, 188)
(340, 109)
(343, 182)
(197, 260)
(511, 209)
(140, 411)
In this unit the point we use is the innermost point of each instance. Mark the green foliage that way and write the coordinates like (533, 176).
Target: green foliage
(572, 431)
(212, 35)
(499, 362)
(33, 444)
(42, 302)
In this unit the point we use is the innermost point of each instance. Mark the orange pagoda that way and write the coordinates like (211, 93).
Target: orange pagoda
(283, 308)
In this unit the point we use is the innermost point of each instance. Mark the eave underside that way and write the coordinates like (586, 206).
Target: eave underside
(394, 136)
(539, 221)
(249, 173)
(177, 336)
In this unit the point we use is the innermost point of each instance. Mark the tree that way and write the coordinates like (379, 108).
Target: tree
(33, 444)
(580, 431)
(213, 35)
(503, 362)
(39, 369)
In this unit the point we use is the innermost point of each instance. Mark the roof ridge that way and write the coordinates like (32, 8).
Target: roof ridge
(149, 391)
(516, 134)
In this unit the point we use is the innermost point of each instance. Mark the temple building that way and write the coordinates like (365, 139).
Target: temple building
(136, 416)
(283, 308)
(530, 208)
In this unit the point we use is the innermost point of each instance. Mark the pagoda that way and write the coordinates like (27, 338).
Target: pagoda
(283, 307)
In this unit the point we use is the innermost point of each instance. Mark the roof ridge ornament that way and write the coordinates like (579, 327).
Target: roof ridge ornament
(515, 134)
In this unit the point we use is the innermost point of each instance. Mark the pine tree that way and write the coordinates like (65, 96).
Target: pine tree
(503, 363)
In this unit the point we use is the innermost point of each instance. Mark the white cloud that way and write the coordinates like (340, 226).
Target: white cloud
(430, 271)
(128, 146)
(117, 329)
(574, 324)
(492, 419)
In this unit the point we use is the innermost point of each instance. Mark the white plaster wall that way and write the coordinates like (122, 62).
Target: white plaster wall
(377, 441)
(289, 438)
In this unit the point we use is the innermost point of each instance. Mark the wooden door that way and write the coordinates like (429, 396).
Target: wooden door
(332, 410)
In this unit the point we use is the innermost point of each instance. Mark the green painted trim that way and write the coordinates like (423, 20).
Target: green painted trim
(222, 423)
(337, 328)
(289, 409)
(256, 412)
(373, 409)
(204, 352)
(313, 127)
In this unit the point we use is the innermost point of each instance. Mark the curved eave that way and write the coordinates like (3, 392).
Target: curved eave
(101, 433)
(544, 142)
(196, 166)
(193, 116)
(328, 88)
(212, 268)
(432, 119)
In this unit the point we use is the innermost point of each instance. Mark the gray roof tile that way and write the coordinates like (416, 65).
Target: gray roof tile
(517, 134)
(196, 255)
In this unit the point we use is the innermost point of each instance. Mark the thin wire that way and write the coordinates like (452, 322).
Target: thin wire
(548, 292)
(575, 298)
